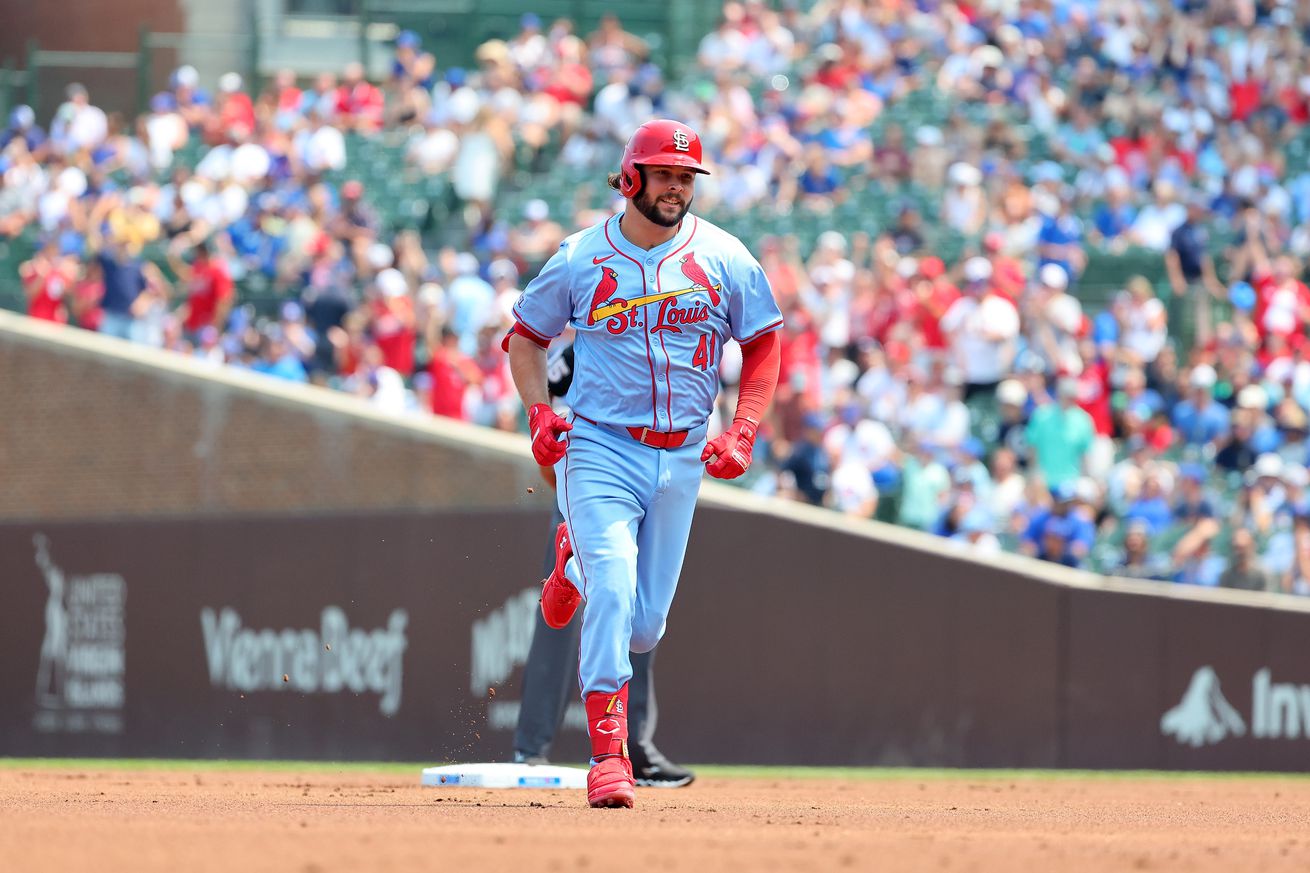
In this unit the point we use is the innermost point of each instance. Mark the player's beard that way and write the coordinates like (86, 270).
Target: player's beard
(658, 213)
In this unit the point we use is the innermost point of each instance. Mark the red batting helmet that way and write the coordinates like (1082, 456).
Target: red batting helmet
(660, 143)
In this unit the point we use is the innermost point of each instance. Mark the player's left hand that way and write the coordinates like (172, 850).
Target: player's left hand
(731, 451)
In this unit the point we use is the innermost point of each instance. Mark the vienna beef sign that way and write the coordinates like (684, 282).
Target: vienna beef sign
(331, 658)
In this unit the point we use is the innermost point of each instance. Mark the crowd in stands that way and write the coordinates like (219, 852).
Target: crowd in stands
(968, 390)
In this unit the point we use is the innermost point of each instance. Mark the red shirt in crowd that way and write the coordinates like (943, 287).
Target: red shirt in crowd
(1244, 98)
(210, 287)
(570, 84)
(800, 367)
(449, 381)
(87, 294)
(288, 99)
(238, 113)
(361, 102)
(1295, 104)
(1280, 306)
(1094, 395)
(47, 303)
(930, 309)
(393, 331)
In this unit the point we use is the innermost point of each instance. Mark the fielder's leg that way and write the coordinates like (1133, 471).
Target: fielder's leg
(650, 767)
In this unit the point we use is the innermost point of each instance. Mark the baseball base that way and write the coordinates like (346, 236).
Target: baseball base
(505, 776)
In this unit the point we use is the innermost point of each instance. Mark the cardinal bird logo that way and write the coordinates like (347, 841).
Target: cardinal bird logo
(605, 288)
(693, 271)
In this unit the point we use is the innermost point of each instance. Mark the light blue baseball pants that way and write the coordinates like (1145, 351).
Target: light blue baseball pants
(628, 508)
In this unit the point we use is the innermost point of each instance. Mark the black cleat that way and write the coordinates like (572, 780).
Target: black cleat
(656, 771)
(533, 760)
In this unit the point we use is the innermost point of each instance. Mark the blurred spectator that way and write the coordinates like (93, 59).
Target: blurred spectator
(236, 112)
(1152, 505)
(22, 125)
(808, 463)
(538, 238)
(964, 207)
(1113, 218)
(1190, 501)
(277, 358)
(1194, 561)
(452, 374)
(1155, 223)
(77, 125)
(359, 102)
(133, 287)
(470, 300)
(1191, 272)
(1199, 418)
(1059, 435)
(924, 483)
(208, 287)
(974, 530)
(47, 278)
(981, 327)
(393, 324)
(1137, 561)
(1243, 571)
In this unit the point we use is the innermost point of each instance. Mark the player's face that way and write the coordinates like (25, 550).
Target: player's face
(666, 195)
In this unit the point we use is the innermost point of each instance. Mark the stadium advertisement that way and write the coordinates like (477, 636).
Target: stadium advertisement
(401, 636)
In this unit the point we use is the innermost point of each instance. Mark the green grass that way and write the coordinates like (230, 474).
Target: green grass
(708, 770)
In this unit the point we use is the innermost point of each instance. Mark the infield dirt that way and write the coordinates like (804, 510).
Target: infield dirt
(250, 822)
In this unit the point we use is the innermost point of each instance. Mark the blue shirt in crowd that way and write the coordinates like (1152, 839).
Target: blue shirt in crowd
(1200, 426)
(124, 282)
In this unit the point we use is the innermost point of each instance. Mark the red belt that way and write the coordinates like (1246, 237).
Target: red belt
(653, 438)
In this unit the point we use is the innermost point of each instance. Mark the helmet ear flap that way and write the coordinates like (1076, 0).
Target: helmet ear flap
(630, 182)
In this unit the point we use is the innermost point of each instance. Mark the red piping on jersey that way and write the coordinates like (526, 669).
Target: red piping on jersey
(668, 378)
(759, 333)
(668, 383)
(568, 519)
(568, 512)
(649, 361)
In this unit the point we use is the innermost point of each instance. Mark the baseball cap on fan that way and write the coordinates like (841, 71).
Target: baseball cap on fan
(977, 270)
(536, 210)
(1054, 276)
(392, 283)
(964, 175)
(1011, 392)
(1268, 466)
(1203, 376)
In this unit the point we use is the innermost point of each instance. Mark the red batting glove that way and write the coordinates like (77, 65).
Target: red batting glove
(547, 427)
(733, 448)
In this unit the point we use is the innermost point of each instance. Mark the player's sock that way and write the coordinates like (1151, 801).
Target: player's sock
(607, 723)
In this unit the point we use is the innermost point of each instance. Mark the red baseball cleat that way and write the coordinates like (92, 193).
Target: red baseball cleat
(559, 596)
(610, 783)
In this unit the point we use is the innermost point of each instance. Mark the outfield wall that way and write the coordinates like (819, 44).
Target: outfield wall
(798, 637)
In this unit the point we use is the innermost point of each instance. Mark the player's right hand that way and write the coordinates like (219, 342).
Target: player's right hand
(547, 428)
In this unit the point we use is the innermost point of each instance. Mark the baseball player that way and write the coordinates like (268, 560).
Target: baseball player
(553, 658)
(652, 293)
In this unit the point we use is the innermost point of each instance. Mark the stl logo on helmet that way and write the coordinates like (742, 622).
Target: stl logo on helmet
(681, 141)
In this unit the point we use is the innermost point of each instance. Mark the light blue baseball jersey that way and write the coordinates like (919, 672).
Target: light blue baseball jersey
(650, 323)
